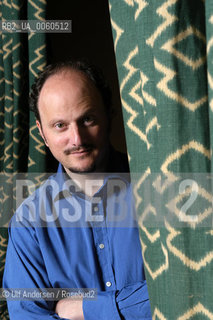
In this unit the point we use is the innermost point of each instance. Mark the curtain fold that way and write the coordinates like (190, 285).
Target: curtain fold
(209, 52)
(164, 59)
(22, 57)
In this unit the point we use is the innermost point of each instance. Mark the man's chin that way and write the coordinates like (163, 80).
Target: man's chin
(83, 170)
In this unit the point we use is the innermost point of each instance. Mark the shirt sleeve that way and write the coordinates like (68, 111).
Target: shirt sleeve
(102, 308)
(133, 302)
(25, 268)
(130, 303)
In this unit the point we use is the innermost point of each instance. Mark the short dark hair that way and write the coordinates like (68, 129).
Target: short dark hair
(93, 73)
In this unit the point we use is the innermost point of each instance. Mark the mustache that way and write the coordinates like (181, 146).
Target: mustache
(80, 148)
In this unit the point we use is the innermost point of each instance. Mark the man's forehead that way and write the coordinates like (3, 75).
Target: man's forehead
(69, 79)
(68, 86)
(68, 75)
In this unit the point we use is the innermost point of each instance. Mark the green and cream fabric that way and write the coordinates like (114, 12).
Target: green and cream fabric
(21, 148)
(164, 55)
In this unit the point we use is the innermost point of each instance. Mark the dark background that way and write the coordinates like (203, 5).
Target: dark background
(91, 38)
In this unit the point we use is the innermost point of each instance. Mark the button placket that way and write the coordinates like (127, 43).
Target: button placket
(101, 240)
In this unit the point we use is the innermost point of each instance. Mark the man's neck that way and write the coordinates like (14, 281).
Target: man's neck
(88, 183)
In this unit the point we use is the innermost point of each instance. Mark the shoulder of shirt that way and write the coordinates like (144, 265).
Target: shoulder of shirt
(33, 199)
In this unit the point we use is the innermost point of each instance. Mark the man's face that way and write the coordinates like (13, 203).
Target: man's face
(74, 124)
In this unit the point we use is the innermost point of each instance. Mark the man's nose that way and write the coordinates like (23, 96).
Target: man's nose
(75, 135)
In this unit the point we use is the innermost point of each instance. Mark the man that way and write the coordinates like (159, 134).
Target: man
(78, 229)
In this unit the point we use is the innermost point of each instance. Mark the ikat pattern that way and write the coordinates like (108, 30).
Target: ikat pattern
(22, 56)
(164, 54)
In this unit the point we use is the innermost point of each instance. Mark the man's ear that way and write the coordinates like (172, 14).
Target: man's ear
(41, 132)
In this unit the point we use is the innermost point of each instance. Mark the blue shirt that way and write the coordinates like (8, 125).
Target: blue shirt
(60, 238)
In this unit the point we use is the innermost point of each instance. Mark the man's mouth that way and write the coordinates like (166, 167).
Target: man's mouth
(78, 151)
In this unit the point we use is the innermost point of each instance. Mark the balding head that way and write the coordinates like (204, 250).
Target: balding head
(89, 71)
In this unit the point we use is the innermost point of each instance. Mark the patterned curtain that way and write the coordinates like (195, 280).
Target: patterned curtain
(22, 56)
(164, 54)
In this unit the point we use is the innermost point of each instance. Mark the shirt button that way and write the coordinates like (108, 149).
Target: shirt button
(95, 209)
(108, 284)
(101, 246)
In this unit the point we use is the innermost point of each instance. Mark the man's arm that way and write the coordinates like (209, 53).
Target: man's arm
(132, 302)
(70, 308)
(25, 268)
(104, 307)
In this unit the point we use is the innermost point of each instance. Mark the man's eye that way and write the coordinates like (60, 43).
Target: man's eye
(59, 125)
(88, 120)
